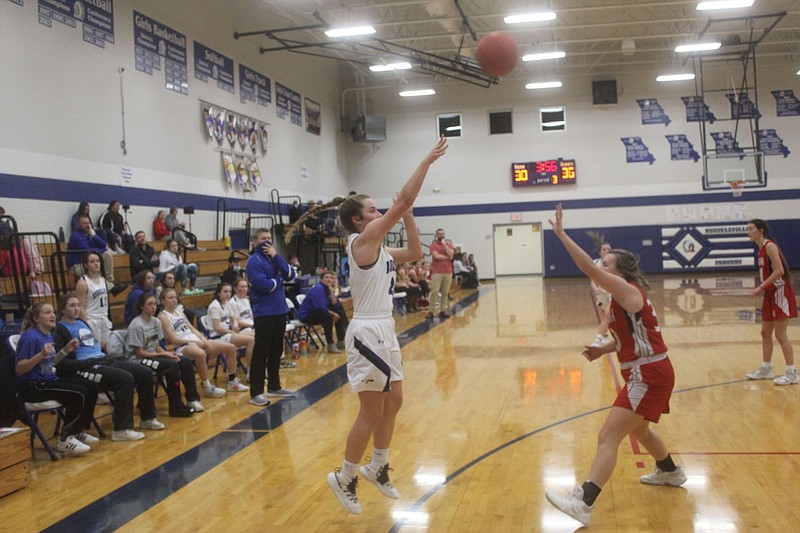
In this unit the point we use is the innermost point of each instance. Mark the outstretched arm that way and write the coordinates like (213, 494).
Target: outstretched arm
(625, 294)
(373, 234)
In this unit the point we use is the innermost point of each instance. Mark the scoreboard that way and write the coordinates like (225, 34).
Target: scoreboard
(548, 172)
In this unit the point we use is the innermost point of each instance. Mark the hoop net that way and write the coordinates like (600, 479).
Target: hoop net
(736, 188)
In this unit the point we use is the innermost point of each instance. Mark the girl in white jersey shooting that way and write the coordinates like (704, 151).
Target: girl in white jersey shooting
(374, 365)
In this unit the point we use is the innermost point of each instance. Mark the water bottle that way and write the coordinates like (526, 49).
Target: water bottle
(61, 233)
(295, 350)
(47, 363)
(303, 347)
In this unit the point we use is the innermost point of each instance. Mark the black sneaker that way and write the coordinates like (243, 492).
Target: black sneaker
(118, 288)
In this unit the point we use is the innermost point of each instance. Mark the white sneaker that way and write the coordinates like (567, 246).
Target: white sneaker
(87, 438)
(572, 504)
(381, 480)
(126, 435)
(153, 423)
(72, 446)
(761, 372)
(676, 478)
(259, 400)
(280, 393)
(102, 399)
(213, 392)
(237, 386)
(789, 378)
(346, 494)
(197, 406)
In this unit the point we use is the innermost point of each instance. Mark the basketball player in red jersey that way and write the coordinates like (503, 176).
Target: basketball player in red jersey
(648, 374)
(778, 307)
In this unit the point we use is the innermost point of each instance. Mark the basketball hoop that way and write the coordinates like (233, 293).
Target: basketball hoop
(736, 188)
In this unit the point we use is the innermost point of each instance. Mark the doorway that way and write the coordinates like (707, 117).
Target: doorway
(518, 249)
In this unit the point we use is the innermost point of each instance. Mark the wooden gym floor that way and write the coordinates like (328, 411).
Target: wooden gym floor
(499, 406)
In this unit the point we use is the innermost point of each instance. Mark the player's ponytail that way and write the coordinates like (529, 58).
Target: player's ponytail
(322, 207)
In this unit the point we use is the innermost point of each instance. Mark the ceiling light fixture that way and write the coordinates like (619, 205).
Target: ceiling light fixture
(419, 92)
(350, 32)
(530, 17)
(543, 56)
(628, 46)
(544, 85)
(724, 4)
(390, 66)
(675, 77)
(699, 47)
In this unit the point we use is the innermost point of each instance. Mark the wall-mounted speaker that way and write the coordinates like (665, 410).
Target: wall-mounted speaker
(604, 92)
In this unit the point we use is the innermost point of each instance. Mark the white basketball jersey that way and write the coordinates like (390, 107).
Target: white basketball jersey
(241, 308)
(96, 298)
(372, 287)
(178, 322)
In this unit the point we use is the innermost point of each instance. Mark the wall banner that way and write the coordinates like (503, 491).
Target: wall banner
(288, 103)
(96, 17)
(254, 86)
(786, 102)
(652, 112)
(152, 41)
(209, 63)
(636, 151)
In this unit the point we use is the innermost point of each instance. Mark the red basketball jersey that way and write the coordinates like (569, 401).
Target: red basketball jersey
(637, 334)
(765, 268)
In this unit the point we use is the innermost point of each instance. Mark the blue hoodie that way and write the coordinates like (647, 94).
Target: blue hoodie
(266, 276)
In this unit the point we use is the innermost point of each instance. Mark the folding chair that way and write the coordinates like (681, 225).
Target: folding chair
(206, 327)
(30, 411)
(301, 327)
(399, 300)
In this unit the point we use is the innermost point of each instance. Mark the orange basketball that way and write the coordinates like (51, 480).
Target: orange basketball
(497, 54)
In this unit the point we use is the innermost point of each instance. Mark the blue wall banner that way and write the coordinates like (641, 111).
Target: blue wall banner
(718, 247)
(313, 117)
(652, 112)
(726, 144)
(254, 87)
(288, 102)
(681, 148)
(786, 102)
(96, 17)
(636, 151)
(152, 41)
(742, 106)
(697, 110)
(770, 143)
(209, 63)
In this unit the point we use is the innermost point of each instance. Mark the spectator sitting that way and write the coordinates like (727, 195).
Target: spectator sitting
(404, 284)
(168, 282)
(468, 278)
(112, 221)
(160, 230)
(312, 222)
(294, 212)
(142, 256)
(145, 283)
(321, 307)
(178, 231)
(170, 261)
(83, 209)
(294, 262)
(234, 271)
(32, 263)
(86, 240)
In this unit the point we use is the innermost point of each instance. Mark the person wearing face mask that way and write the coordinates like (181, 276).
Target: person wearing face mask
(234, 271)
(267, 271)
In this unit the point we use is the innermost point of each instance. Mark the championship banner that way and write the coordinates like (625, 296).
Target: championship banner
(288, 103)
(313, 117)
(681, 148)
(96, 17)
(211, 64)
(152, 41)
(697, 110)
(636, 151)
(254, 87)
(786, 103)
(652, 112)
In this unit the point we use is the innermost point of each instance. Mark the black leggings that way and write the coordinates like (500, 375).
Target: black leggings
(76, 395)
(121, 377)
(174, 373)
(267, 353)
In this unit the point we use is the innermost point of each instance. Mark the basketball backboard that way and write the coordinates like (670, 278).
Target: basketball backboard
(719, 170)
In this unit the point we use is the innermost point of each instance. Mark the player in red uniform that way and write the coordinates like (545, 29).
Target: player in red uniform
(645, 366)
(778, 307)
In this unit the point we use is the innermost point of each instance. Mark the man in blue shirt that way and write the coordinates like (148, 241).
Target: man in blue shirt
(87, 240)
(321, 307)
